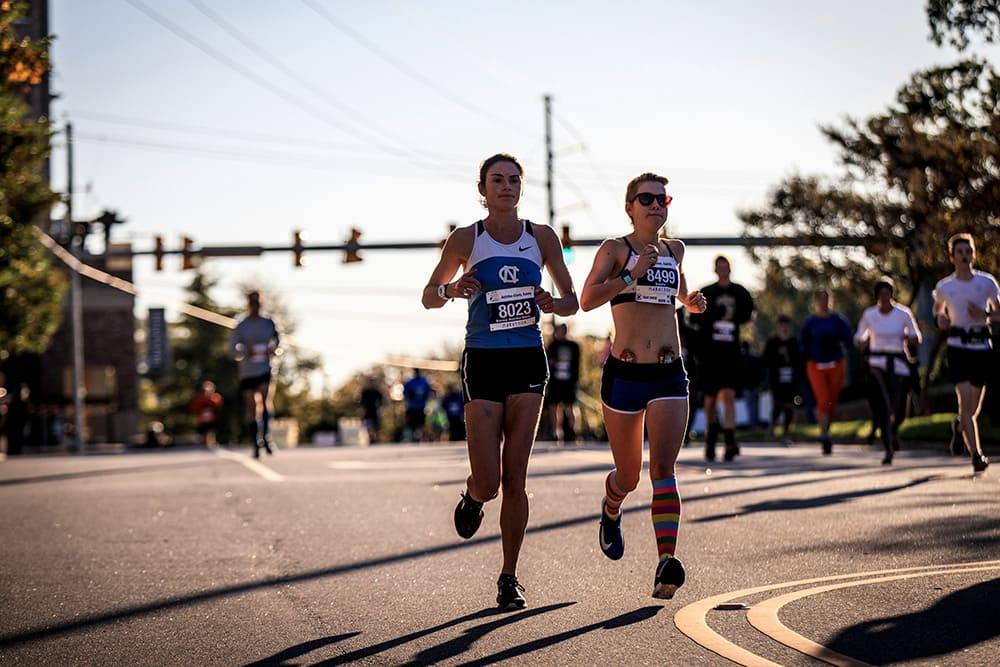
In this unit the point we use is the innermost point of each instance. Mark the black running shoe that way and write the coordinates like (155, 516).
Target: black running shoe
(957, 445)
(468, 516)
(612, 540)
(256, 451)
(265, 444)
(509, 593)
(827, 445)
(669, 577)
(979, 462)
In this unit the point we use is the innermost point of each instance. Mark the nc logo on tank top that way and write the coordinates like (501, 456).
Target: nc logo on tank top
(508, 274)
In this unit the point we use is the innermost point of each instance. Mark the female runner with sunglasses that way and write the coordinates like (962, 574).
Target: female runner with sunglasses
(644, 377)
(503, 368)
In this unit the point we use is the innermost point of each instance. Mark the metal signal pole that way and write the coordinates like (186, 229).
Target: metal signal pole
(548, 159)
(76, 300)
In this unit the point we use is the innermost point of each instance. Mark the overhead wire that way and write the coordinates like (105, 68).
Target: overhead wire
(169, 126)
(312, 144)
(267, 57)
(265, 83)
(604, 179)
(458, 174)
(269, 158)
(409, 71)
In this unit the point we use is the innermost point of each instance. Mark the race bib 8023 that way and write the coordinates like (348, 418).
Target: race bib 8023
(512, 307)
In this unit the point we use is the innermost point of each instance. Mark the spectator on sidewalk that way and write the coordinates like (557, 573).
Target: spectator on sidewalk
(206, 407)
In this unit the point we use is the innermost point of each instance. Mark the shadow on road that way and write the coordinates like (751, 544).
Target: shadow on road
(103, 472)
(955, 622)
(631, 617)
(452, 647)
(456, 647)
(81, 623)
(782, 505)
(300, 650)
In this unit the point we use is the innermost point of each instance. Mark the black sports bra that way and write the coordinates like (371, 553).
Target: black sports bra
(659, 284)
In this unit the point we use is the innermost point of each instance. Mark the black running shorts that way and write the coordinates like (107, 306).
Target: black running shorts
(495, 374)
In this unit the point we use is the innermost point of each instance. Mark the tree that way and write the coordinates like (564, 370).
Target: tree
(955, 19)
(31, 291)
(199, 352)
(912, 176)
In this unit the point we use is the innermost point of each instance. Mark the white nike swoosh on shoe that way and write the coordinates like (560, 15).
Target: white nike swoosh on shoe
(604, 545)
(534, 386)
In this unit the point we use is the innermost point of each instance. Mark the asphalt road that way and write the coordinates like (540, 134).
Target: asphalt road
(328, 556)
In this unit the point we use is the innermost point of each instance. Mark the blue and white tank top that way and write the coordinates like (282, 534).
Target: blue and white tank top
(657, 286)
(503, 312)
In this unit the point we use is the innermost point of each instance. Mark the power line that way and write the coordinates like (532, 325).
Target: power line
(603, 178)
(409, 71)
(268, 158)
(300, 160)
(170, 126)
(290, 73)
(316, 145)
(254, 77)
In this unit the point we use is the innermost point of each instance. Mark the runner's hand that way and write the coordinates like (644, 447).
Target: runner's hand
(466, 286)
(544, 300)
(647, 258)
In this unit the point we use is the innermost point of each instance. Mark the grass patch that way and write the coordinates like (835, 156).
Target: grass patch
(925, 428)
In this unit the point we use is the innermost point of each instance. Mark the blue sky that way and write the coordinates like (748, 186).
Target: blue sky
(238, 121)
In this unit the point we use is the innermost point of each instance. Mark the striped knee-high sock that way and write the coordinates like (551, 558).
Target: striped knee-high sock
(613, 495)
(666, 510)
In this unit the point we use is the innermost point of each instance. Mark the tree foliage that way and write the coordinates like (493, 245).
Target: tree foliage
(954, 20)
(926, 168)
(200, 352)
(30, 290)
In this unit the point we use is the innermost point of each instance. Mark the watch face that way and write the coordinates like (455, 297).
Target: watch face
(443, 291)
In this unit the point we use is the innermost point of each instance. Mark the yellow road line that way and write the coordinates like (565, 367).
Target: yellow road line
(764, 616)
(690, 620)
(252, 464)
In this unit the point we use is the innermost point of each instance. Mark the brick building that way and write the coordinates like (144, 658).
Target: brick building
(112, 386)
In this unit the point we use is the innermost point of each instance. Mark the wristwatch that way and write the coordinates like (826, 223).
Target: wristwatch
(443, 292)
(626, 276)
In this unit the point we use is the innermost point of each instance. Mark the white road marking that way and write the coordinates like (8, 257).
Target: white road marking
(251, 464)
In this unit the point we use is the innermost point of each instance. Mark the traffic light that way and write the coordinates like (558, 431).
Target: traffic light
(298, 248)
(187, 253)
(352, 246)
(567, 244)
(158, 253)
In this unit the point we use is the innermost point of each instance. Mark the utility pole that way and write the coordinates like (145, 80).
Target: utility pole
(76, 300)
(548, 182)
(548, 159)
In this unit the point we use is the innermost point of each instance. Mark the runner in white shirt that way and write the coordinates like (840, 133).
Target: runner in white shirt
(888, 330)
(964, 303)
